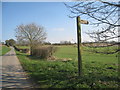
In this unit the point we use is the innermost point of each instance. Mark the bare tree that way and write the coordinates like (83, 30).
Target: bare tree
(31, 33)
(102, 14)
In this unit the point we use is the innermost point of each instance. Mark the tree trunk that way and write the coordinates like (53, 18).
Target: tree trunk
(31, 49)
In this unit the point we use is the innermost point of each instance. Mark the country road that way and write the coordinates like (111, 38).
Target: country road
(13, 75)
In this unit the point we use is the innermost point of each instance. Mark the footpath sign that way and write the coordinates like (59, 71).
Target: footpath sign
(79, 22)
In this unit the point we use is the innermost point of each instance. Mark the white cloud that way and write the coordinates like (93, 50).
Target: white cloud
(58, 29)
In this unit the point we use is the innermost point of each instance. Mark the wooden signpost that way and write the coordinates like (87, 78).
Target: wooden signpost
(79, 22)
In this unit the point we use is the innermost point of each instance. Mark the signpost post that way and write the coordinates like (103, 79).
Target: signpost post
(79, 22)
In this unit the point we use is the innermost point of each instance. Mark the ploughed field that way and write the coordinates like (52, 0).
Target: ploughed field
(99, 70)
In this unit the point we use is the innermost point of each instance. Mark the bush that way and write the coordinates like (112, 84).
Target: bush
(21, 50)
(43, 52)
(17, 49)
(24, 50)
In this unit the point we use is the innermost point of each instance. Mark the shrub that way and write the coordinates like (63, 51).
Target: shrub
(21, 50)
(43, 52)
(24, 50)
(17, 49)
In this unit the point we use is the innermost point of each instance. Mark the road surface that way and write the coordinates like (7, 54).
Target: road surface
(13, 75)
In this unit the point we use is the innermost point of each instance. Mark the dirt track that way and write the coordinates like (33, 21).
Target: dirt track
(13, 76)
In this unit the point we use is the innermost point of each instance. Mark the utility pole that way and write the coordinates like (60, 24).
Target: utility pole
(79, 22)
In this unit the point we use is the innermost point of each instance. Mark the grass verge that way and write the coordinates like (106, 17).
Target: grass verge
(4, 50)
(99, 71)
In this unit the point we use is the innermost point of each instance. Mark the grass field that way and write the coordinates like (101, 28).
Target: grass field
(99, 70)
(4, 50)
(23, 47)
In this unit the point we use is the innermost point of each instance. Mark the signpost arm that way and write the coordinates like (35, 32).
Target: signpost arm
(79, 46)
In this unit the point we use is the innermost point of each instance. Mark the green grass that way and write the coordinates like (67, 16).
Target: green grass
(4, 50)
(23, 47)
(99, 70)
(66, 52)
